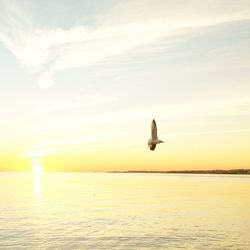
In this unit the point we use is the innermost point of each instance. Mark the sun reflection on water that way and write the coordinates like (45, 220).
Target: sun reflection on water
(37, 186)
(37, 170)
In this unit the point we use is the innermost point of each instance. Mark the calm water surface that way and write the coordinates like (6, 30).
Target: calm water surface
(124, 211)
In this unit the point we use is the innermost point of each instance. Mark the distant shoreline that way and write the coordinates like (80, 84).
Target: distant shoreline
(215, 171)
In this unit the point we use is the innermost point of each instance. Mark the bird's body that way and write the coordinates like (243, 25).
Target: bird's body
(153, 141)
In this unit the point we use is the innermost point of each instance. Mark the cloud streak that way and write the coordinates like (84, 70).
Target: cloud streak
(180, 115)
(211, 132)
(89, 101)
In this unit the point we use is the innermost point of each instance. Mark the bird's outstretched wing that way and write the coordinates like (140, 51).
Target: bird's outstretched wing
(154, 130)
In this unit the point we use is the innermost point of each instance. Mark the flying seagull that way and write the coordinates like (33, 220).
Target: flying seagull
(153, 141)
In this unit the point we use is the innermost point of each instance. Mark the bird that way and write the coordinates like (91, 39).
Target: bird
(153, 141)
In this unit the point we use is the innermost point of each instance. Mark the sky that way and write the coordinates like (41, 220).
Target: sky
(81, 81)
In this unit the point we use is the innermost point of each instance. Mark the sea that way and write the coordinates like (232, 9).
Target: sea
(124, 211)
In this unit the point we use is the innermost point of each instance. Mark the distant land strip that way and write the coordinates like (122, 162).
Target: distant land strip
(214, 171)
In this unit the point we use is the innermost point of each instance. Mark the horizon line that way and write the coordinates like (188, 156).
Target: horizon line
(205, 171)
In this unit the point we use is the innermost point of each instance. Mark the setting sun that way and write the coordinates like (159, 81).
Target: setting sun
(37, 169)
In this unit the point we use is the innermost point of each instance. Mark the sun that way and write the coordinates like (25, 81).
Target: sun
(37, 169)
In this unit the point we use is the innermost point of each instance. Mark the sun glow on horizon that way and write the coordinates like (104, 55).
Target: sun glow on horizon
(37, 169)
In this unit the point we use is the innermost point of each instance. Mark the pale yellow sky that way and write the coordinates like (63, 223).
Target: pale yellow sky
(80, 84)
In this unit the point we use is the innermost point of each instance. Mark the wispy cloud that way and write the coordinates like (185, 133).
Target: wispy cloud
(181, 115)
(123, 28)
(39, 153)
(211, 132)
(89, 101)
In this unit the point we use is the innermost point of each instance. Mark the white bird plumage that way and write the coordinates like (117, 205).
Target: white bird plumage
(153, 141)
